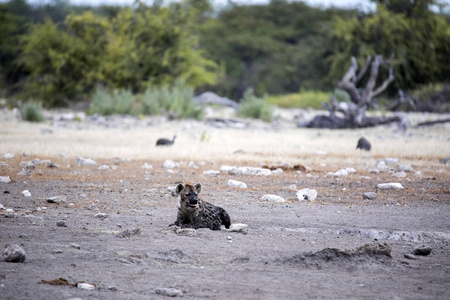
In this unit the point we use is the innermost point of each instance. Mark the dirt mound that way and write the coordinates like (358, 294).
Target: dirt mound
(367, 254)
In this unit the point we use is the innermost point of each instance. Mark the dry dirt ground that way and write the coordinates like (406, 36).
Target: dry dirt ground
(290, 250)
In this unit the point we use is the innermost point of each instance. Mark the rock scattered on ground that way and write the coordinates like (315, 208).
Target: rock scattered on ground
(26, 193)
(238, 184)
(169, 292)
(5, 179)
(248, 171)
(61, 223)
(86, 286)
(238, 227)
(272, 198)
(338, 173)
(56, 199)
(405, 168)
(390, 186)
(307, 194)
(445, 160)
(423, 250)
(401, 174)
(369, 195)
(14, 253)
(169, 164)
(211, 172)
(410, 256)
(80, 161)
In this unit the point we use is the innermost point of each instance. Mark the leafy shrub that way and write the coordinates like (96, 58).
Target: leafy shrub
(176, 101)
(118, 102)
(32, 111)
(433, 98)
(304, 99)
(254, 107)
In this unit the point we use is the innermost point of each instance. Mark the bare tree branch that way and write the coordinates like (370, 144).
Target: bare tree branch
(364, 69)
(348, 82)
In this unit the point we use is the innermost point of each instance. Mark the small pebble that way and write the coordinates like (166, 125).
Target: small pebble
(369, 195)
(409, 256)
(61, 223)
(423, 250)
(169, 292)
(86, 286)
(74, 245)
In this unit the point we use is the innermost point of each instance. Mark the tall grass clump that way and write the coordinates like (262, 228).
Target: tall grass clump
(106, 103)
(175, 101)
(32, 111)
(254, 107)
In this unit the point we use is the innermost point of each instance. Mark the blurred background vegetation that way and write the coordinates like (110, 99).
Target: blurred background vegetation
(287, 53)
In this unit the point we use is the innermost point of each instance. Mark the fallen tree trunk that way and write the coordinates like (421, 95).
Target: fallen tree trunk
(354, 112)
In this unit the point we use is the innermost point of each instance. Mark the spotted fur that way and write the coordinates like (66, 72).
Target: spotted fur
(196, 213)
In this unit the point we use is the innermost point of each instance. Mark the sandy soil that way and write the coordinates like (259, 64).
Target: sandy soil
(290, 250)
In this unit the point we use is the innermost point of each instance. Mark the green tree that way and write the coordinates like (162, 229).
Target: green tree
(418, 38)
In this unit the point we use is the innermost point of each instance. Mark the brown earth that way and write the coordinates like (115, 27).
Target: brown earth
(291, 250)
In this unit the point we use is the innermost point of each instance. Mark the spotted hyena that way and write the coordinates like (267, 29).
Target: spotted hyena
(196, 213)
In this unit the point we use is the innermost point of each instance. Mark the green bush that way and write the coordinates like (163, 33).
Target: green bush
(32, 111)
(118, 102)
(176, 101)
(304, 99)
(254, 107)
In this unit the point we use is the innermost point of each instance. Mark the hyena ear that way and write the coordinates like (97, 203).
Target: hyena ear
(179, 188)
(198, 187)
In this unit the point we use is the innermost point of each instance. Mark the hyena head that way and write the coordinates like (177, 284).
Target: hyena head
(188, 194)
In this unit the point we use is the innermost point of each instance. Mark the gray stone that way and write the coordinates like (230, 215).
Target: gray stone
(169, 292)
(211, 172)
(409, 256)
(423, 250)
(75, 245)
(369, 195)
(405, 168)
(56, 199)
(14, 253)
(104, 168)
(401, 174)
(80, 161)
(100, 216)
(445, 160)
(61, 223)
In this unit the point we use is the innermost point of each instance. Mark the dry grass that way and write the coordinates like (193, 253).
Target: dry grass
(197, 141)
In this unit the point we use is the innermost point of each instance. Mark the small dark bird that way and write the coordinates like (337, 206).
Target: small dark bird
(363, 144)
(165, 142)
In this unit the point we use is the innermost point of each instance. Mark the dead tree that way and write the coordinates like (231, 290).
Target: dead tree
(354, 112)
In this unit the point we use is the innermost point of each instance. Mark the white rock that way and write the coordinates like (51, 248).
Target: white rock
(211, 172)
(382, 167)
(169, 292)
(56, 199)
(26, 193)
(277, 171)
(235, 183)
(100, 216)
(226, 168)
(391, 161)
(1, 206)
(272, 198)
(405, 168)
(8, 155)
(339, 173)
(249, 171)
(104, 168)
(307, 194)
(5, 179)
(169, 164)
(238, 227)
(80, 161)
(390, 186)
(192, 165)
(350, 170)
(293, 187)
(14, 253)
(146, 166)
(86, 286)
(401, 174)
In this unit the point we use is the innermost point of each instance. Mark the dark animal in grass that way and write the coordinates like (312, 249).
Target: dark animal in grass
(196, 213)
(363, 144)
(165, 142)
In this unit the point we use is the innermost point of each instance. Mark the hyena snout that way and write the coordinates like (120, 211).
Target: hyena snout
(192, 201)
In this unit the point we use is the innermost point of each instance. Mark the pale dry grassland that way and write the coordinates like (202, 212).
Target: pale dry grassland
(199, 141)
